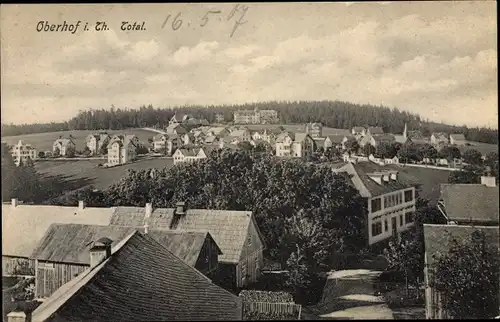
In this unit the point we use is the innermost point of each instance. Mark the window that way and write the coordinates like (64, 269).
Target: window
(408, 195)
(249, 240)
(376, 228)
(376, 204)
(386, 225)
(401, 220)
(409, 217)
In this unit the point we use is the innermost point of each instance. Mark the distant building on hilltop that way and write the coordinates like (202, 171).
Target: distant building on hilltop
(457, 139)
(256, 116)
(315, 130)
(439, 138)
(219, 117)
(22, 152)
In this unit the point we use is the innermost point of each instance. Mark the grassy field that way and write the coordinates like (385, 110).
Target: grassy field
(44, 141)
(83, 173)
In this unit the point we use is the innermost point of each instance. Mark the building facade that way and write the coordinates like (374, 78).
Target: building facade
(122, 149)
(23, 152)
(315, 130)
(63, 147)
(294, 145)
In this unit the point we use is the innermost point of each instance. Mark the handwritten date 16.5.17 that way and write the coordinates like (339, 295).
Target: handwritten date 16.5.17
(237, 15)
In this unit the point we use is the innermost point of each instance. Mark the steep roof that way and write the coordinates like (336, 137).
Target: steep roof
(176, 128)
(300, 137)
(338, 139)
(459, 137)
(281, 137)
(367, 187)
(64, 141)
(384, 138)
(474, 202)
(147, 285)
(375, 130)
(237, 133)
(358, 129)
(31, 222)
(438, 238)
(440, 135)
(69, 243)
(320, 142)
(228, 228)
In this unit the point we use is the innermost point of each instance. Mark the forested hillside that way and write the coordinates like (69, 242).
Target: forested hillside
(334, 114)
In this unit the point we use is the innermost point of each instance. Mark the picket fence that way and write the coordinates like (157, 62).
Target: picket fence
(269, 307)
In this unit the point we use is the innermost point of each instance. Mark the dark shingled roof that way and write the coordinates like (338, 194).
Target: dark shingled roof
(438, 238)
(375, 130)
(141, 281)
(368, 187)
(475, 202)
(70, 243)
(227, 227)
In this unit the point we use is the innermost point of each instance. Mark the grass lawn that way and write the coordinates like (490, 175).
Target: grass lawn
(44, 141)
(80, 173)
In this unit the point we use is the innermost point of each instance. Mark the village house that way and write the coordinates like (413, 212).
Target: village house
(176, 129)
(290, 144)
(122, 149)
(270, 135)
(390, 196)
(63, 253)
(188, 139)
(315, 130)
(242, 135)
(457, 139)
(438, 240)
(179, 118)
(439, 138)
(470, 204)
(63, 147)
(166, 143)
(189, 155)
(235, 232)
(95, 142)
(33, 221)
(376, 130)
(358, 131)
(336, 141)
(22, 152)
(256, 135)
(125, 284)
(375, 140)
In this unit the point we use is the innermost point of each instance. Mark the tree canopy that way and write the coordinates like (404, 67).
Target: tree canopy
(467, 277)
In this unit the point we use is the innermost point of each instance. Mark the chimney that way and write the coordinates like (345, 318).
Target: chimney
(14, 202)
(17, 316)
(100, 251)
(394, 176)
(178, 213)
(149, 209)
(81, 205)
(181, 207)
(488, 181)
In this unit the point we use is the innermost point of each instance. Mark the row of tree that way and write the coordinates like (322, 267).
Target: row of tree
(336, 114)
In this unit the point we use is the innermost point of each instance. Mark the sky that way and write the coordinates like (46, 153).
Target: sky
(437, 59)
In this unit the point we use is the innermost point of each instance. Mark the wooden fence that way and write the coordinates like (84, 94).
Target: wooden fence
(276, 308)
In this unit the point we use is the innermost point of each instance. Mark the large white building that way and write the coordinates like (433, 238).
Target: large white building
(256, 116)
(22, 152)
(96, 141)
(122, 149)
(63, 147)
(390, 197)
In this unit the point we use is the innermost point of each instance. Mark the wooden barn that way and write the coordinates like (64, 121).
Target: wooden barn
(235, 232)
(24, 225)
(64, 252)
